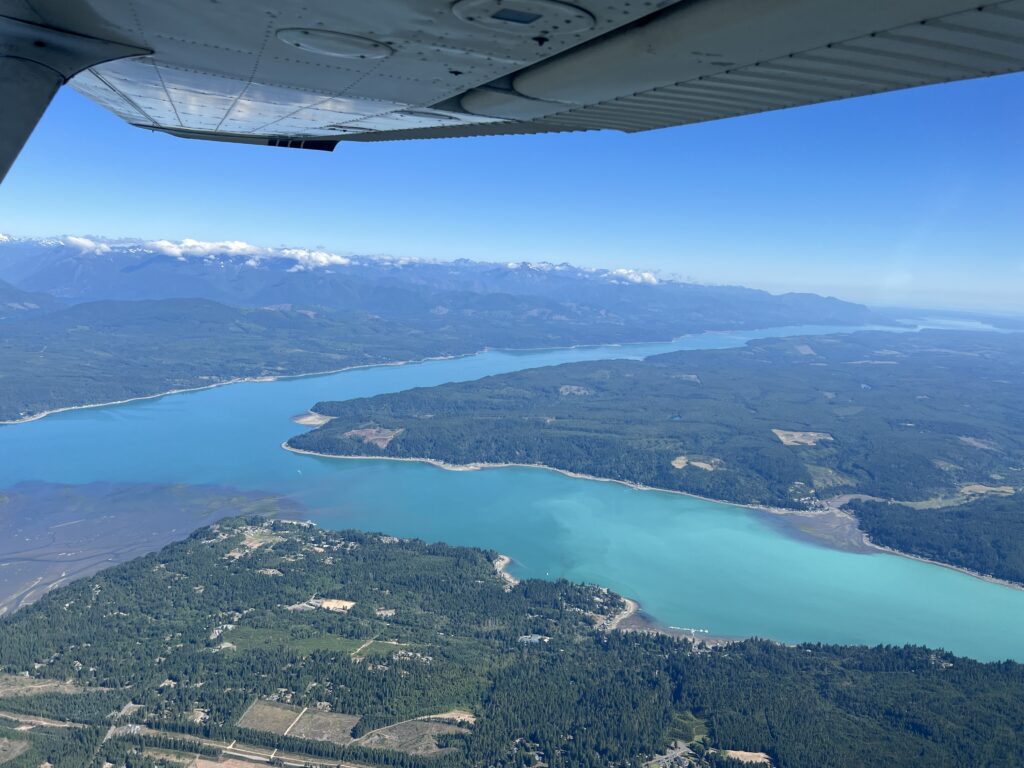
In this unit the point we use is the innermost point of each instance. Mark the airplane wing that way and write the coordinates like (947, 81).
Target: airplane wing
(311, 73)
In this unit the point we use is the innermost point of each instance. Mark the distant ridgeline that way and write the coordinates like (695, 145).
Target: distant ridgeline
(926, 429)
(136, 319)
(286, 641)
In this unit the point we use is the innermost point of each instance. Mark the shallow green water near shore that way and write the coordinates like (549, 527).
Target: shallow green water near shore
(691, 563)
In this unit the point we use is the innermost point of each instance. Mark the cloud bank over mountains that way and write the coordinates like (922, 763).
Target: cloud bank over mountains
(302, 259)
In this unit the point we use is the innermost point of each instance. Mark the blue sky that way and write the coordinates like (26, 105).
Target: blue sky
(915, 197)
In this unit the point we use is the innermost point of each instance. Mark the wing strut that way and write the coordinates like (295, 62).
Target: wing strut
(34, 62)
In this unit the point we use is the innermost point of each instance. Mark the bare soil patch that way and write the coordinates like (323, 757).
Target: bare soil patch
(334, 727)
(452, 715)
(977, 442)
(977, 489)
(747, 757)
(798, 437)
(336, 606)
(311, 419)
(269, 716)
(501, 564)
(572, 389)
(708, 465)
(19, 685)
(303, 723)
(10, 749)
(377, 436)
(414, 737)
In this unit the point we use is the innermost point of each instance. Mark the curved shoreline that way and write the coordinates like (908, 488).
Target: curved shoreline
(777, 511)
(631, 608)
(228, 382)
(501, 564)
(414, 361)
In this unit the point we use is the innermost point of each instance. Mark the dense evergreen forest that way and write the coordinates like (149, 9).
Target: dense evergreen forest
(932, 419)
(115, 350)
(173, 649)
(107, 351)
(985, 535)
(131, 320)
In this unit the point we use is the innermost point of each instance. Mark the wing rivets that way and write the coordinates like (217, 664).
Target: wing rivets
(336, 44)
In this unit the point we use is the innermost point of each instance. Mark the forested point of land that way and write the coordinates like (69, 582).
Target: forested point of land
(933, 420)
(79, 330)
(173, 649)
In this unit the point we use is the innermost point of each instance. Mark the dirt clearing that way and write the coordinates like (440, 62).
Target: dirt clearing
(300, 722)
(747, 757)
(708, 465)
(10, 749)
(797, 437)
(377, 436)
(269, 716)
(415, 737)
(325, 726)
(19, 685)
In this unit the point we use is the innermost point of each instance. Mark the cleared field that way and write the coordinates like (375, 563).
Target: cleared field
(747, 757)
(10, 749)
(325, 726)
(415, 737)
(269, 716)
(456, 715)
(375, 436)
(381, 648)
(273, 717)
(171, 758)
(797, 437)
(246, 638)
(681, 462)
(17, 685)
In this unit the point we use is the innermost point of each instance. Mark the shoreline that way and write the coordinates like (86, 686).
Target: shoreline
(631, 608)
(778, 512)
(501, 564)
(229, 382)
(414, 361)
(311, 419)
(958, 568)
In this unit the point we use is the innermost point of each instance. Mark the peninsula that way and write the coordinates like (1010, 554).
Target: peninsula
(916, 435)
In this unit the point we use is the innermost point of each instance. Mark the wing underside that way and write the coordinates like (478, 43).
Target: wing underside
(312, 74)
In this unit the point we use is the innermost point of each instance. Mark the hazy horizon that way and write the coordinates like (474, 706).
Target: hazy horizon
(905, 198)
(93, 243)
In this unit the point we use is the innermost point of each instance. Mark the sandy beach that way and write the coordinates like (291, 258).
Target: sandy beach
(311, 419)
(630, 610)
(501, 564)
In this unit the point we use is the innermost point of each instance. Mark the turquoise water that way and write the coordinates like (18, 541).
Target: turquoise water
(691, 563)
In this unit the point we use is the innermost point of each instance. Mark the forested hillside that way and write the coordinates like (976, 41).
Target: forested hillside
(151, 317)
(932, 419)
(16, 303)
(242, 274)
(107, 351)
(251, 630)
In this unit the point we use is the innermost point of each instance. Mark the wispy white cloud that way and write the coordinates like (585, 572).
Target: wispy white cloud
(203, 248)
(304, 258)
(633, 276)
(85, 245)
